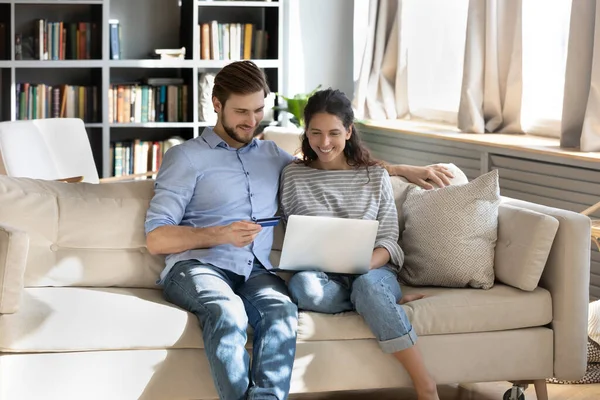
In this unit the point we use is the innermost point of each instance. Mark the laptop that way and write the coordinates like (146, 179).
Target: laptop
(328, 244)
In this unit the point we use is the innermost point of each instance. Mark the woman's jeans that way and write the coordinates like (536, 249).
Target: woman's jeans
(225, 305)
(374, 295)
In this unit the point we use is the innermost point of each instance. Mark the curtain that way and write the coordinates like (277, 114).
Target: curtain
(397, 45)
(581, 110)
(522, 70)
(379, 92)
(491, 89)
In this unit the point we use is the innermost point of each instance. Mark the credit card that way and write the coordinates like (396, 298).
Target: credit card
(265, 222)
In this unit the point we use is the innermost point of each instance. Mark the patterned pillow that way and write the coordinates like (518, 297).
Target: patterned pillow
(451, 234)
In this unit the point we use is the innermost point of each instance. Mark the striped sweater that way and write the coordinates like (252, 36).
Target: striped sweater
(344, 194)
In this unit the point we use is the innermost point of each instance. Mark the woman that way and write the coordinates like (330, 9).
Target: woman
(338, 178)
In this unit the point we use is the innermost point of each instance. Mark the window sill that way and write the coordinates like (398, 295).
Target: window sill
(527, 143)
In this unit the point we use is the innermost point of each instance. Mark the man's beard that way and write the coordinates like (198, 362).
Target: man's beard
(232, 134)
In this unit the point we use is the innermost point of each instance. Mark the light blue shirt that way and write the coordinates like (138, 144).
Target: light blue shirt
(204, 182)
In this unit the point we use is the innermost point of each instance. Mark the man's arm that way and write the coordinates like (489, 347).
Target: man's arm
(171, 239)
(438, 174)
(174, 188)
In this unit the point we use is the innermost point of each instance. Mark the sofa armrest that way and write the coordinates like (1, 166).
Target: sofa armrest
(567, 277)
(14, 246)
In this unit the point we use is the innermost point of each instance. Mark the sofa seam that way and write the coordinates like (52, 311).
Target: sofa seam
(5, 273)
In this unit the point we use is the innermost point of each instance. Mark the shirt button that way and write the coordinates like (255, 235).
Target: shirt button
(247, 173)
(249, 262)
(251, 194)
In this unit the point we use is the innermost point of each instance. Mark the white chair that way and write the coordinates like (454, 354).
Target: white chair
(50, 149)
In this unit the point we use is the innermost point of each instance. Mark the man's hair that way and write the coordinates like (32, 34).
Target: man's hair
(240, 77)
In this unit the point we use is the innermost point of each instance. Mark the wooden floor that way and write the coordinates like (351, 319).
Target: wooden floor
(479, 391)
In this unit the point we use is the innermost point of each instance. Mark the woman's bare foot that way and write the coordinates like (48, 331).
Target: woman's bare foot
(427, 391)
(411, 297)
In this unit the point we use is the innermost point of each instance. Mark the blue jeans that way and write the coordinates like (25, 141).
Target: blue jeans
(374, 296)
(224, 305)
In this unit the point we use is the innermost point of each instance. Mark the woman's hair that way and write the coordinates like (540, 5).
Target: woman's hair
(240, 77)
(336, 103)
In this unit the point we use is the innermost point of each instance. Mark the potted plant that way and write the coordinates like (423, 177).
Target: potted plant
(295, 106)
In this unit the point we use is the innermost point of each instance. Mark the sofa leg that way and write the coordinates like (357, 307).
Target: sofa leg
(541, 390)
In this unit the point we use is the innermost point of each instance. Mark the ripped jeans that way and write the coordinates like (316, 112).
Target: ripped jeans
(225, 305)
(374, 296)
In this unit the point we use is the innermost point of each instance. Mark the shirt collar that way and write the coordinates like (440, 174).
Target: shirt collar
(214, 140)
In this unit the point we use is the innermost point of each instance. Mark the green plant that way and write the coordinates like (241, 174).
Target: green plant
(295, 106)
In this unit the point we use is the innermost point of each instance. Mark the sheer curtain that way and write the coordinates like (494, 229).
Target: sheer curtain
(381, 63)
(514, 80)
(581, 111)
(492, 78)
(400, 59)
(485, 66)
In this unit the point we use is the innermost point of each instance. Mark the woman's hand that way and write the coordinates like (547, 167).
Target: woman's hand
(379, 258)
(422, 176)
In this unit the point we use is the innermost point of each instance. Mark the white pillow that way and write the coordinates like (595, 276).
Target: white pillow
(451, 233)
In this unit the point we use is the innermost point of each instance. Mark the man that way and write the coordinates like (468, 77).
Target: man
(208, 193)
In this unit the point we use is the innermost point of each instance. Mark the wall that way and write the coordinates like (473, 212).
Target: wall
(318, 45)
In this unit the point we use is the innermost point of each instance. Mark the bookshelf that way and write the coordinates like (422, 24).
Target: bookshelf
(90, 72)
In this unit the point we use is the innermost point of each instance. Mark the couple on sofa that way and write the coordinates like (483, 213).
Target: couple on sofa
(210, 190)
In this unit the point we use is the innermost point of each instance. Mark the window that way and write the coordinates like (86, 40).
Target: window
(435, 33)
(545, 27)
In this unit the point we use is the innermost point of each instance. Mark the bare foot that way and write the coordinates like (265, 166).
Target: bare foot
(411, 297)
(428, 392)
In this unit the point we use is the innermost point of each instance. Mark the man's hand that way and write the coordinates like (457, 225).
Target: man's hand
(241, 233)
(423, 176)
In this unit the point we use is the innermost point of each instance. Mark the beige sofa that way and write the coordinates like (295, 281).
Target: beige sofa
(81, 317)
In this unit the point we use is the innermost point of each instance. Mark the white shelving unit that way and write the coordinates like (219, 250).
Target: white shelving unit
(146, 25)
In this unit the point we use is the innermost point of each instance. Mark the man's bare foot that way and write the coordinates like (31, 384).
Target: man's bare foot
(411, 297)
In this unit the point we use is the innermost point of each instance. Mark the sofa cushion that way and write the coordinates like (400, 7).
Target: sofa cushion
(444, 311)
(72, 318)
(525, 238)
(451, 233)
(75, 318)
(82, 234)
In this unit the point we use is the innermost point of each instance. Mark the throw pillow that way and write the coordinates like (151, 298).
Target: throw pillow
(451, 234)
(525, 238)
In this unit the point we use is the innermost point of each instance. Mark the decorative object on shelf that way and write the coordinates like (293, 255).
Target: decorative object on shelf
(295, 106)
(19, 46)
(206, 111)
(169, 54)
